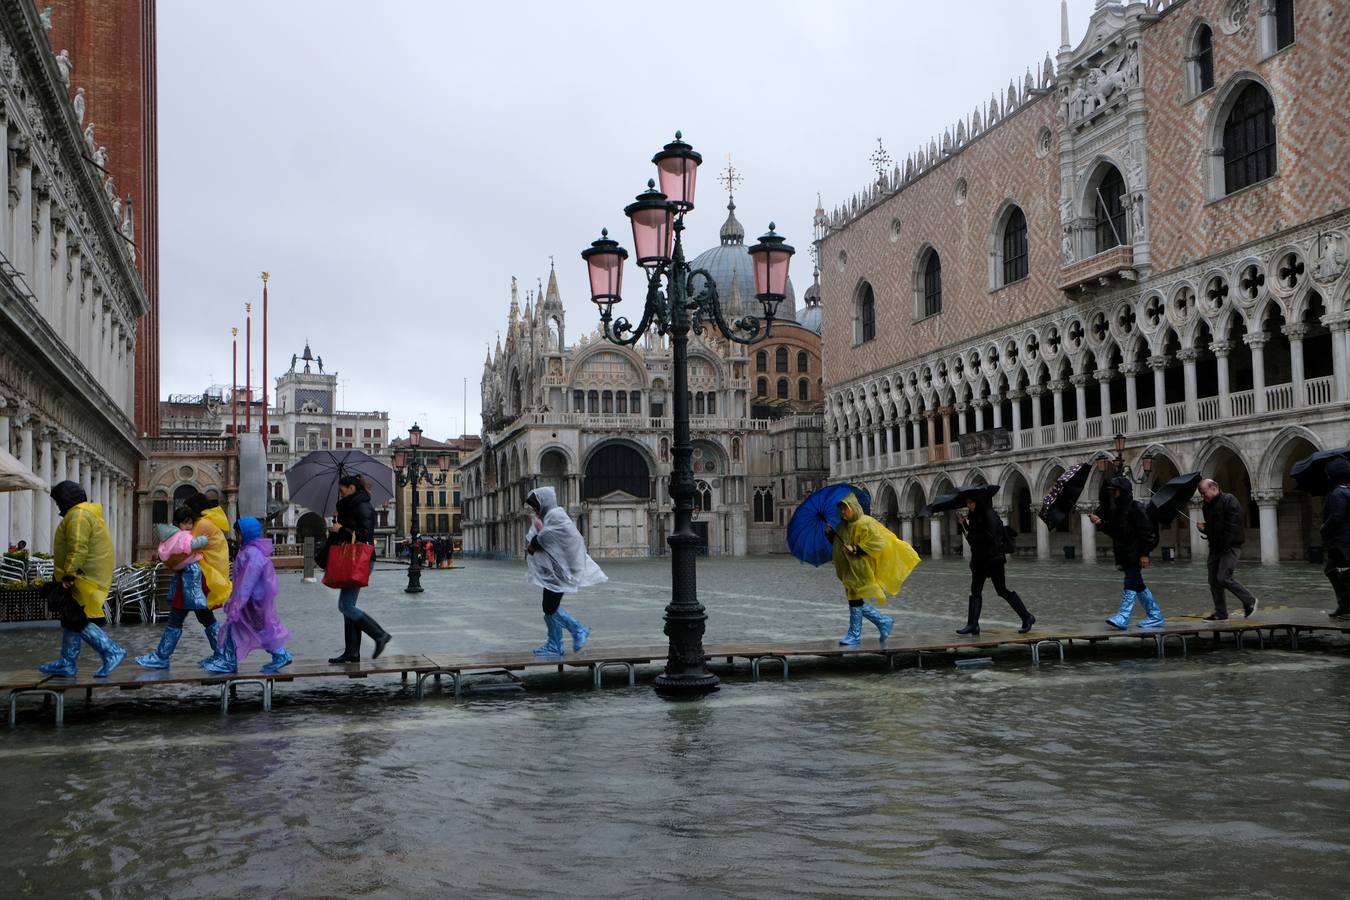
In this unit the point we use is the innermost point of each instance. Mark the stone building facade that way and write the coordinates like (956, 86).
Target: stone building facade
(439, 506)
(1147, 237)
(70, 294)
(594, 421)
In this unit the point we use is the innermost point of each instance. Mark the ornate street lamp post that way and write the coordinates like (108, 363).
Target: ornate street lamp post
(657, 217)
(1122, 467)
(410, 469)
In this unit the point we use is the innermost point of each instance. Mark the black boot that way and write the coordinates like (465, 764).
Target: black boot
(1021, 609)
(377, 634)
(351, 651)
(972, 616)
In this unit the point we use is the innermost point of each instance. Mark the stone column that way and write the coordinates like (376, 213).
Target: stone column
(1296, 333)
(1221, 349)
(1129, 370)
(1035, 392)
(1016, 398)
(87, 477)
(935, 536)
(932, 436)
(907, 529)
(6, 224)
(960, 409)
(57, 281)
(21, 216)
(6, 407)
(890, 443)
(1104, 377)
(1079, 382)
(996, 407)
(42, 246)
(1257, 341)
(62, 456)
(1089, 533)
(1057, 388)
(914, 435)
(42, 518)
(1042, 539)
(1339, 326)
(1159, 365)
(980, 406)
(1188, 358)
(948, 431)
(1268, 502)
(73, 466)
(23, 519)
(1199, 547)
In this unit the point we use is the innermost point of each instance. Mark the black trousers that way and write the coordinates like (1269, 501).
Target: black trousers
(178, 616)
(992, 570)
(552, 600)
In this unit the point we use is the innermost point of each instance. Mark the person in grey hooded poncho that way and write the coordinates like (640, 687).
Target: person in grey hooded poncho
(558, 563)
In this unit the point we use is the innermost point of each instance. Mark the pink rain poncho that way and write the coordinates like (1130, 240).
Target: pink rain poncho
(251, 611)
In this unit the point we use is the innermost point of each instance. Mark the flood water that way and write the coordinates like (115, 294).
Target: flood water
(1217, 774)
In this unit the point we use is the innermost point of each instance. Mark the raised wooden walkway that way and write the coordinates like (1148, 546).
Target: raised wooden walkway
(1289, 622)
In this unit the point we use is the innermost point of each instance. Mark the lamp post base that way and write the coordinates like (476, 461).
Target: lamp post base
(686, 684)
(414, 582)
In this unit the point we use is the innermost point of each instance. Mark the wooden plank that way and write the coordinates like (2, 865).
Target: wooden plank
(129, 676)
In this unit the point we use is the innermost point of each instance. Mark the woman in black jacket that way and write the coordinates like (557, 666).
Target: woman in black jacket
(355, 521)
(1127, 521)
(984, 532)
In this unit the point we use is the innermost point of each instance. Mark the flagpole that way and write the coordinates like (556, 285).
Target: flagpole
(234, 385)
(266, 440)
(248, 366)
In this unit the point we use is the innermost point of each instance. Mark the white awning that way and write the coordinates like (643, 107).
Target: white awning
(14, 476)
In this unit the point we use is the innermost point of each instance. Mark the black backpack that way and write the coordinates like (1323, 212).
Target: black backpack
(1153, 536)
(1007, 540)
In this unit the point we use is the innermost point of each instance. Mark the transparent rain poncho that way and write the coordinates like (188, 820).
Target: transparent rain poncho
(561, 563)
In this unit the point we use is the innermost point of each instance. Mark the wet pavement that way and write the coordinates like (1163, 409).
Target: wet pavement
(1213, 775)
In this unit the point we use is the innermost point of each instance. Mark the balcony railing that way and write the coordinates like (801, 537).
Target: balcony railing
(1048, 438)
(1105, 266)
(1070, 430)
(1279, 397)
(1093, 431)
(1120, 423)
(1317, 391)
(1148, 418)
(1176, 414)
(201, 446)
(1207, 409)
(1026, 438)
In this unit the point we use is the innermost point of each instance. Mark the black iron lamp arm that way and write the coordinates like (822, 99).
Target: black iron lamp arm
(705, 304)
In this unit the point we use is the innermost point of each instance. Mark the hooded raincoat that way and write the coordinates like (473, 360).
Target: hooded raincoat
(82, 547)
(561, 563)
(251, 613)
(884, 563)
(213, 525)
(1127, 523)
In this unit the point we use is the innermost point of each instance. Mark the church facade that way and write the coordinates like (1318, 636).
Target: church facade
(593, 420)
(1143, 242)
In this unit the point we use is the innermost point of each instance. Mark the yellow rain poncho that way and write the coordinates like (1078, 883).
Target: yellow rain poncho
(885, 561)
(216, 557)
(82, 547)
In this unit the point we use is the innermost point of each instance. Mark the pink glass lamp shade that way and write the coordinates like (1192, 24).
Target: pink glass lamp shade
(677, 167)
(443, 462)
(400, 458)
(769, 261)
(653, 218)
(415, 436)
(604, 264)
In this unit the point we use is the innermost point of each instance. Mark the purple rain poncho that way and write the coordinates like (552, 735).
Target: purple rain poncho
(251, 612)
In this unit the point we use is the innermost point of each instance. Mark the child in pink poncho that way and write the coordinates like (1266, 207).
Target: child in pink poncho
(251, 619)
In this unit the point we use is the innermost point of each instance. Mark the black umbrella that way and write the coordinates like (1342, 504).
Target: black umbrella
(1173, 496)
(1310, 473)
(1063, 494)
(313, 481)
(957, 499)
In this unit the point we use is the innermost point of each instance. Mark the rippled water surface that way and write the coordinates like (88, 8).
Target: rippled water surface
(1220, 774)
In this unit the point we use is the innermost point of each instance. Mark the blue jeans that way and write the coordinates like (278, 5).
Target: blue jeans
(347, 600)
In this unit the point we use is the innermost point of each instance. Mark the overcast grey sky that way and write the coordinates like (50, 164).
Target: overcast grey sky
(393, 165)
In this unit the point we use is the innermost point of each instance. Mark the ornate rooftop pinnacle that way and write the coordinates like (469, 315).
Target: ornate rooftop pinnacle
(733, 233)
(551, 296)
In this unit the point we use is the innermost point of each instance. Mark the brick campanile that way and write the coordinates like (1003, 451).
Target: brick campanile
(112, 46)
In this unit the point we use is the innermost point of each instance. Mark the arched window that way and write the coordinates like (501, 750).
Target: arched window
(762, 387)
(864, 314)
(735, 449)
(782, 389)
(616, 467)
(1284, 23)
(593, 401)
(578, 401)
(1108, 204)
(762, 361)
(1249, 139)
(699, 409)
(1203, 60)
(803, 361)
(763, 504)
(780, 359)
(803, 389)
(621, 402)
(712, 403)
(1015, 246)
(635, 402)
(932, 284)
(607, 402)
(703, 496)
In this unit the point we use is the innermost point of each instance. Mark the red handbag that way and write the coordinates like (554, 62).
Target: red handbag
(348, 565)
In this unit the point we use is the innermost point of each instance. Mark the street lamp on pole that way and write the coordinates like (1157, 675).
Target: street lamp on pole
(677, 303)
(1121, 467)
(411, 470)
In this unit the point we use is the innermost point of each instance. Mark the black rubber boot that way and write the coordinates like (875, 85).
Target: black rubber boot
(972, 617)
(351, 651)
(377, 634)
(1021, 609)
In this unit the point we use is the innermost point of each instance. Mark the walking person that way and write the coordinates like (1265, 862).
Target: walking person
(1132, 540)
(82, 563)
(355, 523)
(251, 619)
(1336, 535)
(213, 524)
(985, 533)
(1225, 531)
(558, 563)
(870, 562)
(181, 552)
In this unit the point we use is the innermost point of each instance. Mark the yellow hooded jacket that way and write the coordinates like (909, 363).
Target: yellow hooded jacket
(216, 557)
(885, 563)
(82, 547)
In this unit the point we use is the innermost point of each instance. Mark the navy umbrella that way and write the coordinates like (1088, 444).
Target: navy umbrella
(1310, 473)
(1063, 494)
(1170, 498)
(806, 538)
(313, 481)
(957, 499)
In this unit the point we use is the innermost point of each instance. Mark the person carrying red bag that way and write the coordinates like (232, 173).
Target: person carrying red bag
(355, 528)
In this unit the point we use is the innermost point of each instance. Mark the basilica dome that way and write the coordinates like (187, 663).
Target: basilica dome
(729, 265)
(810, 317)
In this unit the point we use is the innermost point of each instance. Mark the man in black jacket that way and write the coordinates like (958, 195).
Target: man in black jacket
(1336, 535)
(1225, 530)
(1132, 537)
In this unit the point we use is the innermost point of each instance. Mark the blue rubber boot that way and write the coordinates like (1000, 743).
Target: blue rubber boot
(884, 623)
(1122, 619)
(554, 647)
(1155, 616)
(578, 631)
(107, 648)
(854, 635)
(280, 660)
(70, 654)
(212, 638)
(224, 662)
(160, 658)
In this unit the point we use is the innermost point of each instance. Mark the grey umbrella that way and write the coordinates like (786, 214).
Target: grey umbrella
(313, 481)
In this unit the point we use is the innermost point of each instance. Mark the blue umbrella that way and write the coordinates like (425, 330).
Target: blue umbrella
(806, 531)
(313, 481)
